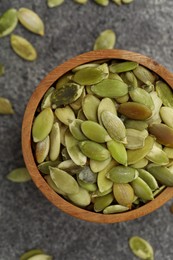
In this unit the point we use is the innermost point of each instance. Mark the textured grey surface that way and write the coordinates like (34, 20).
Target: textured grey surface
(27, 219)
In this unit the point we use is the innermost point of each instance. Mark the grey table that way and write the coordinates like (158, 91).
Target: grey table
(27, 219)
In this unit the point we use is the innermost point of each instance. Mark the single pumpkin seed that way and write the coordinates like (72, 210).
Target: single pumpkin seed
(165, 93)
(63, 129)
(5, 106)
(169, 152)
(42, 149)
(140, 164)
(63, 80)
(70, 167)
(46, 102)
(53, 185)
(166, 114)
(88, 90)
(97, 166)
(94, 150)
(102, 2)
(65, 115)
(148, 178)
(135, 138)
(42, 125)
(130, 79)
(87, 186)
(115, 209)
(155, 117)
(117, 151)
(19, 175)
(158, 156)
(54, 142)
(123, 66)
(106, 40)
(83, 66)
(102, 202)
(115, 76)
(31, 253)
(81, 199)
(122, 99)
(2, 70)
(31, 21)
(8, 22)
(104, 67)
(141, 248)
(86, 175)
(64, 181)
(75, 129)
(41, 257)
(111, 88)
(141, 96)
(76, 105)
(122, 174)
(141, 189)
(54, 3)
(97, 193)
(144, 75)
(162, 174)
(159, 190)
(114, 126)
(123, 194)
(44, 166)
(90, 106)
(134, 110)
(95, 132)
(108, 105)
(135, 124)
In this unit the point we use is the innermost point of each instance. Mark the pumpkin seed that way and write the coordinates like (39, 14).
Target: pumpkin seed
(46, 102)
(135, 124)
(115, 76)
(87, 186)
(44, 166)
(97, 166)
(41, 257)
(127, 1)
(165, 94)
(65, 115)
(148, 178)
(8, 22)
(75, 129)
(80, 115)
(122, 174)
(118, 2)
(83, 66)
(135, 138)
(2, 70)
(97, 193)
(141, 248)
(130, 79)
(141, 189)
(86, 175)
(123, 194)
(169, 152)
(134, 110)
(115, 209)
(122, 99)
(123, 66)
(102, 202)
(31, 21)
(81, 199)
(94, 150)
(70, 167)
(111, 88)
(90, 106)
(31, 253)
(5, 106)
(108, 105)
(106, 40)
(53, 185)
(166, 114)
(54, 3)
(162, 174)
(102, 2)
(42, 125)
(64, 181)
(63, 129)
(23, 48)
(140, 164)
(159, 190)
(144, 75)
(54, 142)
(81, 1)
(19, 175)
(42, 149)
(155, 117)
(141, 96)
(63, 80)
(156, 155)
(76, 105)
(117, 151)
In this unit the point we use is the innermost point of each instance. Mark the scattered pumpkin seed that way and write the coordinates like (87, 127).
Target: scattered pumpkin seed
(5, 106)
(106, 40)
(19, 175)
(141, 248)
(8, 22)
(31, 253)
(54, 3)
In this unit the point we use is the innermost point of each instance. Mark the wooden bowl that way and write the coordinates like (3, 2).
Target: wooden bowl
(33, 103)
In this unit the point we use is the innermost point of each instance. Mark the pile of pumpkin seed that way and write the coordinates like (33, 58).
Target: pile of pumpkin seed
(103, 136)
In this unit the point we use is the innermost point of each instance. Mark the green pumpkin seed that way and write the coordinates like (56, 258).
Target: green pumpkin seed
(41, 257)
(95, 132)
(87, 186)
(46, 102)
(115, 76)
(76, 105)
(104, 67)
(97, 166)
(102, 202)
(156, 155)
(159, 190)
(111, 88)
(81, 199)
(42, 149)
(115, 209)
(63, 129)
(165, 93)
(94, 150)
(141, 248)
(2, 70)
(123, 66)
(64, 181)
(134, 156)
(144, 75)
(97, 193)
(122, 99)
(117, 2)
(65, 115)
(108, 105)
(5, 106)
(74, 152)
(161, 174)
(166, 114)
(66, 94)
(135, 124)
(141, 189)
(135, 138)
(114, 126)
(86, 175)
(70, 167)
(130, 79)
(63, 80)
(106, 40)
(54, 142)
(148, 178)
(83, 66)
(54, 3)
(81, 1)
(75, 129)
(31, 21)
(141, 96)
(89, 76)
(90, 106)
(121, 174)
(155, 117)
(102, 2)
(23, 48)
(44, 166)
(123, 194)
(42, 125)
(117, 151)
(134, 110)
(140, 164)
(169, 152)
(8, 22)
(53, 185)
(19, 175)
(31, 253)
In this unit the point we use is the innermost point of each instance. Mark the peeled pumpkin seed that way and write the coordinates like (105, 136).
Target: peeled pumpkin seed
(54, 3)
(123, 194)
(90, 106)
(95, 132)
(106, 40)
(148, 178)
(118, 151)
(42, 149)
(74, 152)
(134, 110)
(5, 106)
(165, 93)
(135, 138)
(111, 88)
(83, 66)
(31, 253)
(70, 167)
(166, 114)
(102, 202)
(75, 129)
(53, 185)
(114, 126)
(169, 152)
(46, 102)
(102, 2)
(163, 134)
(155, 117)
(122, 174)
(115, 209)
(82, 198)
(23, 48)
(115, 76)
(65, 115)
(123, 66)
(162, 174)
(141, 248)
(19, 175)
(87, 186)
(140, 164)
(141, 96)
(31, 21)
(41, 257)
(158, 156)
(8, 22)
(135, 124)
(44, 166)
(97, 166)
(141, 189)
(108, 105)
(104, 67)
(54, 142)
(144, 75)
(86, 175)
(130, 79)
(42, 125)
(63, 80)
(64, 181)
(76, 105)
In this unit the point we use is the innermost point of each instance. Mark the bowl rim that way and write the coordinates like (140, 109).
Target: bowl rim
(31, 107)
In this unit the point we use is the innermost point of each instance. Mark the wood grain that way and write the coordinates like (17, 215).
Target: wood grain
(42, 185)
